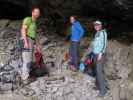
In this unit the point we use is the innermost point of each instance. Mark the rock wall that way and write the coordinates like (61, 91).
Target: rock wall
(62, 83)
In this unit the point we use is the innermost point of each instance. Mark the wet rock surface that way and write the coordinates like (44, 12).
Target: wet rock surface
(62, 83)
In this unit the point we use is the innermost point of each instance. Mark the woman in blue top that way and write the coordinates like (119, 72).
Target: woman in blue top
(77, 33)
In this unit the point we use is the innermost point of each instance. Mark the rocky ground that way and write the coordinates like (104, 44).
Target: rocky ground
(62, 83)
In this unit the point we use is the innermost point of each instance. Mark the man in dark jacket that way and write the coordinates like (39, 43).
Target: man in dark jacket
(77, 33)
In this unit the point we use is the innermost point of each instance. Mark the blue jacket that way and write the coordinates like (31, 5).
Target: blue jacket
(100, 42)
(76, 32)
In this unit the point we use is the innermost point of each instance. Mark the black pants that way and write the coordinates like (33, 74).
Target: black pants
(100, 79)
(74, 54)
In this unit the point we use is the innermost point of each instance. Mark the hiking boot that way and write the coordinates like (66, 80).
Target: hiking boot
(25, 82)
(72, 68)
(46, 77)
(95, 88)
(28, 81)
(102, 94)
(24, 76)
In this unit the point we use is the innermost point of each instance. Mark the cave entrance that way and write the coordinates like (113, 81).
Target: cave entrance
(12, 11)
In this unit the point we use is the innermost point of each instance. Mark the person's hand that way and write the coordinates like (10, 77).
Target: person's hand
(88, 49)
(99, 57)
(66, 42)
(37, 48)
(26, 45)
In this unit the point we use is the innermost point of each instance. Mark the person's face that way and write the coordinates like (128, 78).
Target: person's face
(98, 27)
(36, 13)
(72, 20)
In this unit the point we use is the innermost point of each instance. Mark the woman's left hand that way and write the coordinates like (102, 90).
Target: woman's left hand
(99, 57)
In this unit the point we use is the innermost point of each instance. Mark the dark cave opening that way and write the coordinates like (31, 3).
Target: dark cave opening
(115, 24)
(12, 11)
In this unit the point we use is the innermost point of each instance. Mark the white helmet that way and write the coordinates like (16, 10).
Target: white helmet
(98, 22)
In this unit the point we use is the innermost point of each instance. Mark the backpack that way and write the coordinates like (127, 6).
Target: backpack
(89, 65)
(38, 68)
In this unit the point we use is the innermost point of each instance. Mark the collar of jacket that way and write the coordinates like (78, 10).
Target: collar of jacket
(75, 22)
